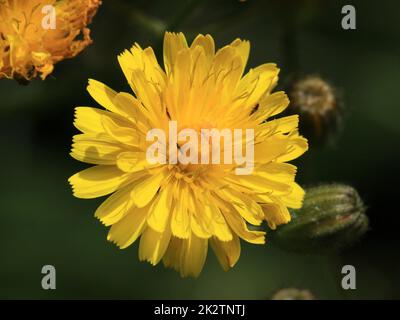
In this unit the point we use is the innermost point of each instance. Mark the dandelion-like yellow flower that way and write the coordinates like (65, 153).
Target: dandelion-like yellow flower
(33, 37)
(178, 209)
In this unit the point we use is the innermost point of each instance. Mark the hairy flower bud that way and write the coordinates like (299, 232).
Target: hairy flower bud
(293, 294)
(316, 102)
(332, 217)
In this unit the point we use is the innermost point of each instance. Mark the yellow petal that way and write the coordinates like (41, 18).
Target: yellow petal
(102, 94)
(134, 111)
(198, 227)
(270, 105)
(133, 161)
(227, 252)
(125, 135)
(258, 184)
(115, 207)
(98, 181)
(180, 222)
(194, 253)
(242, 49)
(149, 94)
(160, 210)
(219, 225)
(129, 228)
(295, 198)
(145, 190)
(145, 61)
(297, 145)
(153, 245)
(201, 223)
(281, 125)
(238, 226)
(270, 149)
(92, 149)
(207, 43)
(89, 120)
(173, 43)
(187, 256)
(253, 86)
(280, 172)
(249, 209)
(172, 257)
(276, 213)
(127, 63)
(227, 68)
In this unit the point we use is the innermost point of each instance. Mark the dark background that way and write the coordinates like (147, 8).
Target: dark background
(42, 223)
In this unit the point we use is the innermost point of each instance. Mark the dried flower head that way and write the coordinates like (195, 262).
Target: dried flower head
(33, 37)
(316, 102)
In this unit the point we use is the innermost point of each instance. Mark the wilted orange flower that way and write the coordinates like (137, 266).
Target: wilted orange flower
(29, 47)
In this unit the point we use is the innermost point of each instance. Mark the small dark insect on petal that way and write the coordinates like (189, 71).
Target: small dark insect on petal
(254, 109)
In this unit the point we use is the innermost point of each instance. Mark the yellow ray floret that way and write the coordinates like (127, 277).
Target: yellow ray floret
(176, 209)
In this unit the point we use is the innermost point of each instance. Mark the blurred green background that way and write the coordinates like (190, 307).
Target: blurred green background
(43, 224)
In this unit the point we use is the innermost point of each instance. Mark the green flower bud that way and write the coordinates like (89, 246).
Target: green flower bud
(293, 294)
(332, 218)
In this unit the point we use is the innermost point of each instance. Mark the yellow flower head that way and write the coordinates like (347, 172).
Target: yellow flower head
(36, 34)
(178, 209)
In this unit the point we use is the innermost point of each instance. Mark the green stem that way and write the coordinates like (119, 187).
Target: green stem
(137, 17)
(183, 14)
(289, 39)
